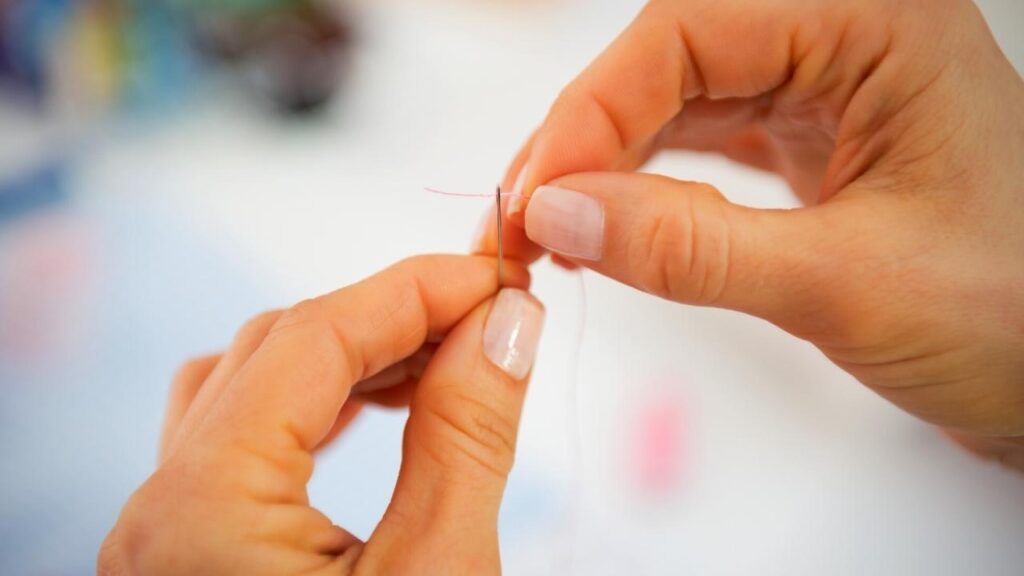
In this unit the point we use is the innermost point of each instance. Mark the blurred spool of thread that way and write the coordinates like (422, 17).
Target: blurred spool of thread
(293, 52)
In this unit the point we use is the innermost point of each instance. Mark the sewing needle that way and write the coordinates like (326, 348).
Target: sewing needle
(501, 238)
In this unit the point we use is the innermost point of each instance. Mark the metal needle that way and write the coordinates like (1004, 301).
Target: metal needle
(501, 238)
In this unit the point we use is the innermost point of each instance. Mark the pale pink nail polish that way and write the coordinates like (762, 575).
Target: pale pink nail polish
(566, 222)
(513, 331)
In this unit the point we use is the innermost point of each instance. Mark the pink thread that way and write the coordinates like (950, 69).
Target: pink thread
(472, 195)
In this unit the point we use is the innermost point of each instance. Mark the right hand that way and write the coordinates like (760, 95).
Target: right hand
(899, 124)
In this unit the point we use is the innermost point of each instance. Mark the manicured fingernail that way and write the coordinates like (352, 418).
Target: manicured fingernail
(480, 235)
(566, 222)
(513, 331)
(516, 202)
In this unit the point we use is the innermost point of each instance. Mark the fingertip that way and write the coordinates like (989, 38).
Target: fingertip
(564, 263)
(515, 209)
(512, 332)
(484, 235)
(516, 245)
(517, 198)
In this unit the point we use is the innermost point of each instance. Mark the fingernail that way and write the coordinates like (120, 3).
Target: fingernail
(566, 222)
(516, 202)
(513, 331)
(480, 235)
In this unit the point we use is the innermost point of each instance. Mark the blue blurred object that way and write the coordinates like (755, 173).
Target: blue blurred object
(42, 186)
(140, 55)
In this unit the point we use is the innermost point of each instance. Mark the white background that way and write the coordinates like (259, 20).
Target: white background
(788, 466)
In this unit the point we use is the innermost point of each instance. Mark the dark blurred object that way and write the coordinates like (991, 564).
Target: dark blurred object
(293, 52)
(20, 67)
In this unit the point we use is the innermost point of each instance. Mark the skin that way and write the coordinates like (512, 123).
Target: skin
(229, 495)
(900, 126)
(898, 123)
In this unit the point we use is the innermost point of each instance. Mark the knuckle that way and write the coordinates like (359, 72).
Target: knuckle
(657, 10)
(193, 370)
(684, 253)
(325, 345)
(305, 322)
(140, 538)
(257, 326)
(306, 314)
(109, 561)
(473, 431)
(269, 473)
(410, 264)
(654, 255)
(190, 377)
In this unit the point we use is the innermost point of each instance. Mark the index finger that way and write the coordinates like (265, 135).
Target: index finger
(290, 390)
(673, 51)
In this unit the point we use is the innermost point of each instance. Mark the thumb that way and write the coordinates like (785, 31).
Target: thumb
(459, 445)
(683, 241)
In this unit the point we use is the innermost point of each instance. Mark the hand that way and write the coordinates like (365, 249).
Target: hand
(229, 495)
(899, 124)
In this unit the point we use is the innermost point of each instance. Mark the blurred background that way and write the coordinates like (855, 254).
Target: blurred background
(169, 168)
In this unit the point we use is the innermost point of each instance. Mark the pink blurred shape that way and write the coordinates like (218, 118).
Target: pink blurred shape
(660, 445)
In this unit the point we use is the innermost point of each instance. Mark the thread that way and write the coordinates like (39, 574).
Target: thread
(574, 510)
(471, 194)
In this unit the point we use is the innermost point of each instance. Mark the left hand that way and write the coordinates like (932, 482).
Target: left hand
(229, 495)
